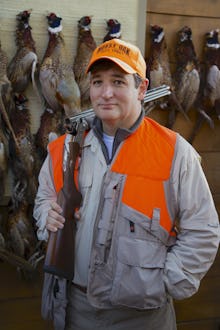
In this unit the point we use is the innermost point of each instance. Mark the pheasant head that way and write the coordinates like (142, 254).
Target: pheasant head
(113, 28)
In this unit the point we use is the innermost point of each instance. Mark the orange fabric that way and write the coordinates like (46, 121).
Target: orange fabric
(56, 149)
(150, 152)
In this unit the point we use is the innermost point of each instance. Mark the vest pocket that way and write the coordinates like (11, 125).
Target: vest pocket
(138, 280)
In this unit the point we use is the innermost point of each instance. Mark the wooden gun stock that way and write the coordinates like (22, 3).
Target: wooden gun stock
(60, 249)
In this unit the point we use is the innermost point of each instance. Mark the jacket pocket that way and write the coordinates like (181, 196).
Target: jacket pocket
(138, 280)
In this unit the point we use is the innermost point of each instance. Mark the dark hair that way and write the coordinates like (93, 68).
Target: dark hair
(137, 80)
(105, 64)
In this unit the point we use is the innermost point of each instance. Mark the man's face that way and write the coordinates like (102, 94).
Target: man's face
(115, 99)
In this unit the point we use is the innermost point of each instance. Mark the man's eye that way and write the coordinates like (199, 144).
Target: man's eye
(96, 82)
(118, 82)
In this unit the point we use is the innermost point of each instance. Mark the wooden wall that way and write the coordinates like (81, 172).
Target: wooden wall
(202, 311)
(20, 299)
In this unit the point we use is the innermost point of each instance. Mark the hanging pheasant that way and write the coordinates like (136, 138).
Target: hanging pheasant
(22, 67)
(56, 76)
(22, 159)
(113, 28)
(3, 162)
(159, 73)
(85, 47)
(6, 98)
(26, 267)
(209, 101)
(51, 127)
(20, 235)
(187, 75)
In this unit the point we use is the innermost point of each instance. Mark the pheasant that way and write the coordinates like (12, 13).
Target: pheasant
(85, 47)
(22, 159)
(21, 69)
(209, 101)
(211, 48)
(20, 235)
(113, 28)
(3, 163)
(6, 99)
(159, 73)
(56, 76)
(187, 75)
(51, 127)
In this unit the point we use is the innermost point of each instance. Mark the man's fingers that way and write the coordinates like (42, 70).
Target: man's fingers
(56, 207)
(54, 226)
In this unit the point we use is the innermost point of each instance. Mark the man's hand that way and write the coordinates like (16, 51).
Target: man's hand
(55, 220)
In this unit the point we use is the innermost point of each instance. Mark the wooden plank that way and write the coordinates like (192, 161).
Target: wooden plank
(213, 180)
(201, 325)
(22, 300)
(216, 197)
(193, 8)
(22, 314)
(210, 164)
(214, 271)
(205, 304)
(12, 286)
(208, 139)
(211, 160)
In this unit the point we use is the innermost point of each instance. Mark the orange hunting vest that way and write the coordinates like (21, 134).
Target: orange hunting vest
(145, 158)
(56, 149)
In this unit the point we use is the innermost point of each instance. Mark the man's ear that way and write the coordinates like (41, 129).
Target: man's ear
(142, 88)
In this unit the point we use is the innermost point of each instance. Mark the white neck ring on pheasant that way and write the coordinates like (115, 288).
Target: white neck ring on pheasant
(159, 37)
(56, 29)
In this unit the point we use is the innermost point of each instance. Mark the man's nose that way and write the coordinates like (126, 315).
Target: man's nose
(107, 91)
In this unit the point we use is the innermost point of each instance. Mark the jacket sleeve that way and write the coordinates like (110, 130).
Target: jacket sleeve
(198, 226)
(45, 195)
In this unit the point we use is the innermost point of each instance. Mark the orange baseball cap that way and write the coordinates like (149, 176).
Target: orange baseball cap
(127, 56)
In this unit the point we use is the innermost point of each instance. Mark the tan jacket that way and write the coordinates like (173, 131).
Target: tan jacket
(139, 268)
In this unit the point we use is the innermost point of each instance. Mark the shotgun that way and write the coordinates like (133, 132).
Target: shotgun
(59, 258)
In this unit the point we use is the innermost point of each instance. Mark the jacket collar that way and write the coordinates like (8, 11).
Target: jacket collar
(120, 135)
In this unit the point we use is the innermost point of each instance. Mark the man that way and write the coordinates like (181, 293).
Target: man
(147, 230)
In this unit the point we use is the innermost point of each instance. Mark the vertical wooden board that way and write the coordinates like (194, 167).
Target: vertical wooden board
(13, 285)
(210, 163)
(201, 325)
(20, 301)
(22, 314)
(204, 304)
(196, 8)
